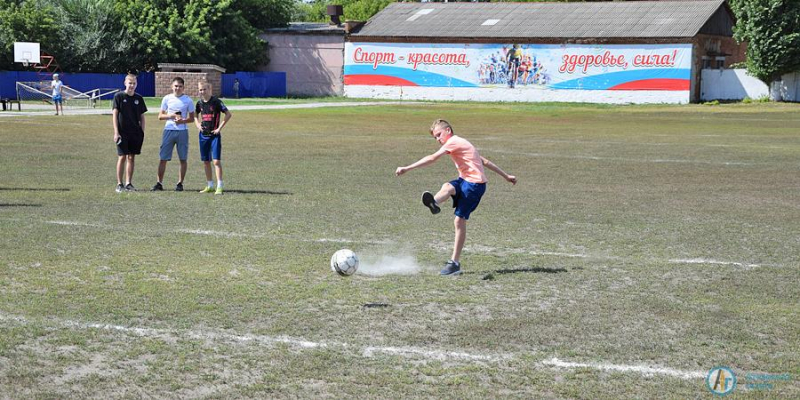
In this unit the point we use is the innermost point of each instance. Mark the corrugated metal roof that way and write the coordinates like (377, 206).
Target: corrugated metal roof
(640, 19)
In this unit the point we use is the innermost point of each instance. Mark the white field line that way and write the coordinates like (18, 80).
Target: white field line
(652, 144)
(600, 158)
(556, 254)
(236, 234)
(206, 232)
(369, 351)
(383, 242)
(639, 369)
(216, 233)
(712, 262)
(78, 223)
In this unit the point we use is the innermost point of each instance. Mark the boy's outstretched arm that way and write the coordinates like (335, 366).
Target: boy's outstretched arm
(499, 171)
(424, 161)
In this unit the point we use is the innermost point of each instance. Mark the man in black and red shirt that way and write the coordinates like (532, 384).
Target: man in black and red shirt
(209, 110)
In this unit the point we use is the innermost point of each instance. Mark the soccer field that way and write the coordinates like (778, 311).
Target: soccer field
(642, 247)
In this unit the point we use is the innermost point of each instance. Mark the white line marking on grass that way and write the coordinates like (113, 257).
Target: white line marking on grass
(328, 240)
(75, 223)
(215, 233)
(557, 254)
(639, 369)
(599, 158)
(236, 234)
(480, 249)
(433, 354)
(710, 261)
(368, 351)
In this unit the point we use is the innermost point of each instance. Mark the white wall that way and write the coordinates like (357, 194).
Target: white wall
(730, 84)
(736, 84)
(521, 94)
(788, 88)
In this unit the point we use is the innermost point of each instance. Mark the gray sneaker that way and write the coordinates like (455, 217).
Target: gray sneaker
(451, 268)
(119, 188)
(130, 188)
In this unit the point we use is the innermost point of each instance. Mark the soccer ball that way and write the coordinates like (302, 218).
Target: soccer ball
(344, 262)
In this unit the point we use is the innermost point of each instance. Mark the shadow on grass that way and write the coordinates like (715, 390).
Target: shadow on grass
(534, 270)
(19, 205)
(36, 189)
(490, 276)
(256, 192)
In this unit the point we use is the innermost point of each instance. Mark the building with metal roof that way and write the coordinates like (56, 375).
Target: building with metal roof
(634, 51)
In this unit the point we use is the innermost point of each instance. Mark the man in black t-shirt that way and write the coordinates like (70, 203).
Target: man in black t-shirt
(127, 112)
(209, 110)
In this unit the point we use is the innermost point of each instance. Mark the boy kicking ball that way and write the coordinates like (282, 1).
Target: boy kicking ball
(466, 191)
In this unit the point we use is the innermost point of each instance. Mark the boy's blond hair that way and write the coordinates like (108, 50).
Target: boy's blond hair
(206, 84)
(440, 123)
(131, 77)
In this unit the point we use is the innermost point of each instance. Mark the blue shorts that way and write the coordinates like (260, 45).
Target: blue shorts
(57, 99)
(468, 196)
(172, 138)
(210, 147)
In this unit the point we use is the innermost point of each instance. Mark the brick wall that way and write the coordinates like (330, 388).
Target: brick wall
(711, 46)
(190, 79)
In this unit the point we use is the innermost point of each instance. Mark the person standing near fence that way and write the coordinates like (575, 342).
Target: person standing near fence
(57, 86)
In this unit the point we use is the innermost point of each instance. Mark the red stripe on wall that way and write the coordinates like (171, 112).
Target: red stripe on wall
(376, 80)
(654, 84)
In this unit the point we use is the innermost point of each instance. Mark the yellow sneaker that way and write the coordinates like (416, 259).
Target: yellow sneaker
(208, 189)
(219, 191)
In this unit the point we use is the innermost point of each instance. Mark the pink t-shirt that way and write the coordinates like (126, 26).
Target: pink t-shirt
(467, 160)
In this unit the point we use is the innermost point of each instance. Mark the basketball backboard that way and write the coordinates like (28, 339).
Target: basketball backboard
(26, 52)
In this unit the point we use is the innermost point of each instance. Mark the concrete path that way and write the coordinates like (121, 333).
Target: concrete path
(98, 111)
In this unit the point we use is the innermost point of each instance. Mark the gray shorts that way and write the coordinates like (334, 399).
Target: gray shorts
(172, 138)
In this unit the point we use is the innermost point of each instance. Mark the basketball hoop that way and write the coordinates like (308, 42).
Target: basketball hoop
(27, 53)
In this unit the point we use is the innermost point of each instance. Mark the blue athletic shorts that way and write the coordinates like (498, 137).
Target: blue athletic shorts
(57, 99)
(210, 147)
(174, 138)
(468, 196)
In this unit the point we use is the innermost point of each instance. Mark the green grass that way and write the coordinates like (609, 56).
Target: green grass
(593, 254)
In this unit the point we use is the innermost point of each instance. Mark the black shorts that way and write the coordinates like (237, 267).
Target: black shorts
(131, 144)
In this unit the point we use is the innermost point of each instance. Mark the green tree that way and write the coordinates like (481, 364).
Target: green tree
(356, 10)
(771, 29)
(25, 21)
(201, 31)
(91, 35)
(265, 14)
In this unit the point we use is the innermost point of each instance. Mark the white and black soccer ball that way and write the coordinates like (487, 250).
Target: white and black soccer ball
(344, 262)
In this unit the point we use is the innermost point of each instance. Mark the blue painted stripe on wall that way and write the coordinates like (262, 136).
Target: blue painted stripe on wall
(421, 78)
(605, 81)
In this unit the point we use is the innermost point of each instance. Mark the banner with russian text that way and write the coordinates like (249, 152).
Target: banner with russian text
(571, 66)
